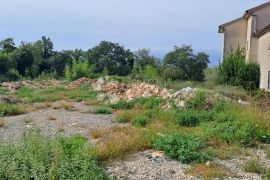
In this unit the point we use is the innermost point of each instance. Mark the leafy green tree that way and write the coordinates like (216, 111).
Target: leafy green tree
(150, 73)
(59, 61)
(144, 58)
(191, 64)
(24, 59)
(112, 56)
(5, 63)
(7, 45)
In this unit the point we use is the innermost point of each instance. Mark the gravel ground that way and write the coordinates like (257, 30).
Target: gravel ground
(64, 122)
(145, 165)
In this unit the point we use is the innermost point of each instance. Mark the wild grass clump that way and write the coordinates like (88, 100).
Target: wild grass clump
(122, 104)
(2, 123)
(102, 110)
(10, 110)
(121, 141)
(140, 121)
(188, 118)
(253, 166)
(37, 157)
(3, 91)
(208, 172)
(124, 117)
(197, 102)
(183, 147)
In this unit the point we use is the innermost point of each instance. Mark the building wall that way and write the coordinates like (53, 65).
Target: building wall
(256, 22)
(264, 59)
(235, 35)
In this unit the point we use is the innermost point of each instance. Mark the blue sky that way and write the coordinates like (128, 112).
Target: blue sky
(155, 24)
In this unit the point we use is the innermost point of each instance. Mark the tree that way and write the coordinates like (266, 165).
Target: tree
(192, 65)
(144, 58)
(47, 47)
(5, 63)
(112, 56)
(24, 59)
(7, 45)
(59, 61)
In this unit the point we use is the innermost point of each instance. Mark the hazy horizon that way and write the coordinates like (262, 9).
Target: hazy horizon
(155, 24)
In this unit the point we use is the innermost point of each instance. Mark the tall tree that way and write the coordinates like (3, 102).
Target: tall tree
(191, 64)
(47, 47)
(144, 58)
(112, 57)
(7, 45)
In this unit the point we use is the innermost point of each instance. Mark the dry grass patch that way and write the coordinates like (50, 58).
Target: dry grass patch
(97, 133)
(64, 105)
(27, 120)
(209, 171)
(121, 141)
(228, 152)
(52, 118)
(61, 129)
(2, 123)
(268, 153)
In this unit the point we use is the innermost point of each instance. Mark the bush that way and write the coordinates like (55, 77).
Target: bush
(13, 75)
(234, 71)
(185, 148)
(79, 69)
(37, 157)
(197, 102)
(150, 73)
(122, 104)
(188, 118)
(123, 118)
(139, 121)
(9, 110)
(102, 110)
(225, 116)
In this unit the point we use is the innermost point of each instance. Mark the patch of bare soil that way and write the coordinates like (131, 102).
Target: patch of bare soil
(55, 120)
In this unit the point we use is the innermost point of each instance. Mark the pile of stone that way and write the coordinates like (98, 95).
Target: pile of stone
(13, 86)
(77, 83)
(110, 87)
(8, 99)
(179, 97)
(146, 90)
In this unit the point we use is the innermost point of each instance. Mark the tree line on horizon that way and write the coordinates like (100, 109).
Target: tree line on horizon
(34, 59)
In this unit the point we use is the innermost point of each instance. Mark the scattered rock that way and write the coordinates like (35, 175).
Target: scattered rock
(9, 99)
(243, 102)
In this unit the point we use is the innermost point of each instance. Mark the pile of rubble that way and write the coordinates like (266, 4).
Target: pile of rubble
(146, 90)
(77, 83)
(13, 86)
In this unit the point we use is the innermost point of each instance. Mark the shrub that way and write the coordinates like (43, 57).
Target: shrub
(122, 104)
(185, 148)
(123, 118)
(139, 121)
(79, 69)
(188, 118)
(235, 71)
(3, 91)
(37, 157)
(150, 73)
(102, 110)
(9, 109)
(13, 75)
(197, 102)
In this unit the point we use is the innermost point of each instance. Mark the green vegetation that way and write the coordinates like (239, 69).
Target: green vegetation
(235, 71)
(10, 109)
(41, 158)
(139, 121)
(78, 70)
(102, 110)
(185, 148)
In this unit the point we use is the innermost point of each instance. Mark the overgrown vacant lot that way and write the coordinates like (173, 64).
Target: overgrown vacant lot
(99, 129)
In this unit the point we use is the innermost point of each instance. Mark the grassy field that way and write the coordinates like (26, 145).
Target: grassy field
(192, 134)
